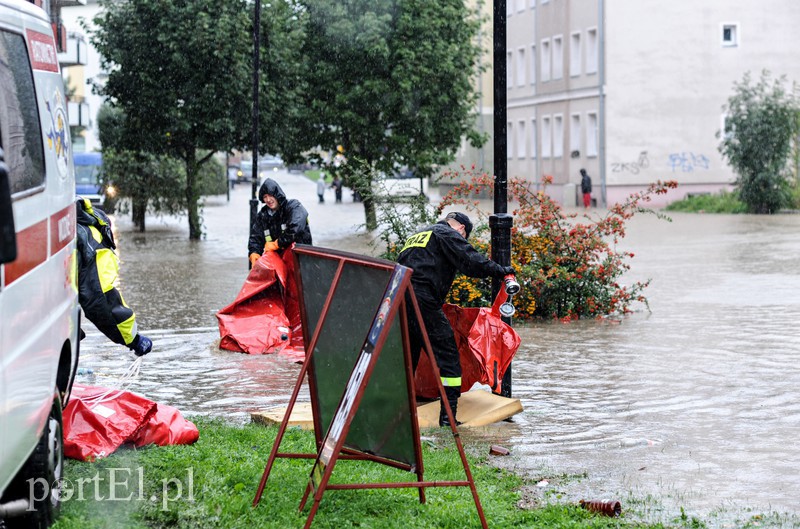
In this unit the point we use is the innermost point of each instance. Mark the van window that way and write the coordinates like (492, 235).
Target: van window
(20, 131)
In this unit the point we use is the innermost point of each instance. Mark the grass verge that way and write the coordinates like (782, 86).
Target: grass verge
(212, 484)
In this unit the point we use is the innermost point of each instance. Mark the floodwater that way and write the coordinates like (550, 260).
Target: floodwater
(694, 405)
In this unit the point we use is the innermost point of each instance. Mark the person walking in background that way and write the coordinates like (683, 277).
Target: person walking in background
(279, 224)
(337, 188)
(586, 188)
(435, 254)
(321, 188)
(98, 274)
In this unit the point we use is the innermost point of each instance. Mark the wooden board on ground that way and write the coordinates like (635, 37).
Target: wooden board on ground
(301, 416)
(475, 408)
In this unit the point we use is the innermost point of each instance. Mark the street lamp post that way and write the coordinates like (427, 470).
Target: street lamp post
(256, 66)
(500, 222)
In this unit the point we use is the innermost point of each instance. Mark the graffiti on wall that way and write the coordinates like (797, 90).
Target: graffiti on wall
(687, 162)
(632, 167)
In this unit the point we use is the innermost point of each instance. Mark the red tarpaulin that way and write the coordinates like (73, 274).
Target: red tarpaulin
(97, 421)
(486, 345)
(265, 316)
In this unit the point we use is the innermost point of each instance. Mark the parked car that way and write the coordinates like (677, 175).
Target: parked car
(39, 311)
(270, 162)
(402, 182)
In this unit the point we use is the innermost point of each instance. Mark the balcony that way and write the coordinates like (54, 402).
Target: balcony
(75, 53)
(78, 114)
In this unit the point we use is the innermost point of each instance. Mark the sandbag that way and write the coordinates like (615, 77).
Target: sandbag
(97, 421)
(265, 316)
(486, 346)
(166, 427)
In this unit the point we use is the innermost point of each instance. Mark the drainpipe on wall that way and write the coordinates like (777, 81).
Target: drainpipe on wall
(601, 35)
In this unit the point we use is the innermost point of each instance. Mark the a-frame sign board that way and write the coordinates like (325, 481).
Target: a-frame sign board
(354, 312)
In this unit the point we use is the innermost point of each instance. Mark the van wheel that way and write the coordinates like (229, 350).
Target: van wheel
(39, 480)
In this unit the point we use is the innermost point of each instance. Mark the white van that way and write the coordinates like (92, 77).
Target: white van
(39, 311)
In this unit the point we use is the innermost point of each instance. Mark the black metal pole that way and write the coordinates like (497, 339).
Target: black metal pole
(256, 66)
(500, 222)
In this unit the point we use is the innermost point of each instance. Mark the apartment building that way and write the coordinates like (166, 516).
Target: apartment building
(633, 90)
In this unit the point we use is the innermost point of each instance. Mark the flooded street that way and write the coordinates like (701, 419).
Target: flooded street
(694, 405)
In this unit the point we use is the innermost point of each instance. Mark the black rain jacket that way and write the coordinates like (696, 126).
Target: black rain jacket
(435, 254)
(287, 225)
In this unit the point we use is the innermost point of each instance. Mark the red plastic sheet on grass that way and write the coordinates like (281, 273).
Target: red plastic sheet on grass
(265, 316)
(486, 345)
(96, 423)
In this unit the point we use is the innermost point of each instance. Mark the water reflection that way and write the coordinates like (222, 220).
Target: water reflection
(696, 402)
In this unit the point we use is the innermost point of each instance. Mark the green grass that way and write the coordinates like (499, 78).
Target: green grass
(723, 202)
(313, 175)
(212, 484)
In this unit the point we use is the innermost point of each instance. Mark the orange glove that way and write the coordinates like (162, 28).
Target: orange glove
(253, 258)
(271, 246)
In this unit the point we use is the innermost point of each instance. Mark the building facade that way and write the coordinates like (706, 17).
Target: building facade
(633, 90)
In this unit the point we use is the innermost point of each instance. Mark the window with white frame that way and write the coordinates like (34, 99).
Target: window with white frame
(575, 54)
(509, 144)
(533, 64)
(591, 134)
(509, 69)
(534, 144)
(558, 136)
(522, 140)
(547, 138)
(558, 57)
(591, 50)
(575, 135)
(521, 67)
(730, 34)
(545, 62)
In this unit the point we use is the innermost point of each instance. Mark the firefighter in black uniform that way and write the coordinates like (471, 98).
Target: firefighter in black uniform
(98, 272)
(280, 222)
(435, 254)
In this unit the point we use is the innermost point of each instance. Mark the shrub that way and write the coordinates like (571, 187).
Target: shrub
(567, 268)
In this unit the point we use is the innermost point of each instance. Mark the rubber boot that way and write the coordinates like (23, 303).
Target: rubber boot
(452, 400)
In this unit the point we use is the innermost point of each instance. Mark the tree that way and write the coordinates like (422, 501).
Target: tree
(760, 128)
(391, 82)
(181, 71)
(149, 181)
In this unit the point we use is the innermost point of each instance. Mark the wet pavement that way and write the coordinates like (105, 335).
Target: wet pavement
(695, 405)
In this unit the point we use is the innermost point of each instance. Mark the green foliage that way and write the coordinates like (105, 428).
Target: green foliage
(151, 182)
(111, 122)
(568, 269)
(181, 74)
(212, 484)
(722, 202)
(212, 178)
(761, 124)
(391, 82)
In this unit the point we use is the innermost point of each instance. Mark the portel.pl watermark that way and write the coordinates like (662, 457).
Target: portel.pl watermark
(114, 484)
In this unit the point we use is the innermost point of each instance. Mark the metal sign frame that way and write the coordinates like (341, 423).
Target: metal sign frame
(331, 447)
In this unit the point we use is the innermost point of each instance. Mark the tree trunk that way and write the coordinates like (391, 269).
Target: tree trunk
(138, 210)
(192, 196)
(369, 213)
